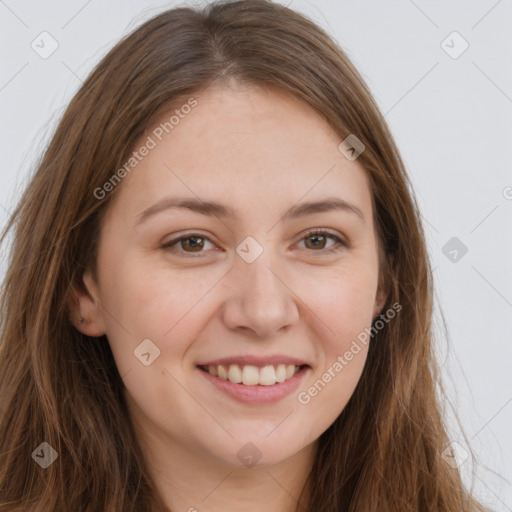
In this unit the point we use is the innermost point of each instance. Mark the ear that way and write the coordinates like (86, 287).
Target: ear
(84, 304)
(380, 300)
(382, 292)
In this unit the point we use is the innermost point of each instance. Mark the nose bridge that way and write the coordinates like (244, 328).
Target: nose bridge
(259, 298)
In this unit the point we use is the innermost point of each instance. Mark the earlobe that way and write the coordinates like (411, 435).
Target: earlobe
(85, 309)
(380, 301)
(383, 291)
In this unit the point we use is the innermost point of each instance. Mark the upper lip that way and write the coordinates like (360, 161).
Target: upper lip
(255, 361)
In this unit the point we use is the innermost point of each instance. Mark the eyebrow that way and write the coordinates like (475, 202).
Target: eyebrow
(214, 209)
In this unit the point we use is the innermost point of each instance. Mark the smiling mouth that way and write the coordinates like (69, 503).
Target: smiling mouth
(249, 375)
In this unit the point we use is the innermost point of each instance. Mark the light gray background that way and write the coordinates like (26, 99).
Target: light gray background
(452, 120)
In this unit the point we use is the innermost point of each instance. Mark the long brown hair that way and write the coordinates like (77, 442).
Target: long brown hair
(383, 453)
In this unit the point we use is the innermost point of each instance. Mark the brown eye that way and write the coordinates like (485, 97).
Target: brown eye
(188, 244)
(195, 243)
(318, 240)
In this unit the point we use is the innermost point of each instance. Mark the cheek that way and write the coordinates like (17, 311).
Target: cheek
(344, 318)
(155, 316)
(343, 303)
(327, 392)
(343, 338)
(343, 313)
(150, 299)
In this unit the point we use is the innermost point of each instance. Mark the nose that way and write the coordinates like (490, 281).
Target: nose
(260, 300)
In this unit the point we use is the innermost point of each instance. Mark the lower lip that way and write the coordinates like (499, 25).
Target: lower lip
(257, 394)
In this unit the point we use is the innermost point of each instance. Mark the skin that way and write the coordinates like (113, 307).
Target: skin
(260, 152)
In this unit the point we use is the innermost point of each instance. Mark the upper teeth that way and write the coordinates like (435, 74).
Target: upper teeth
(253, 375)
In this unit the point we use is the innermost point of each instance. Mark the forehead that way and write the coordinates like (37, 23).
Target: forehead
(245, 146)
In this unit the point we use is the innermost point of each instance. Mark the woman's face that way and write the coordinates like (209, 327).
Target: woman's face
(249, 288)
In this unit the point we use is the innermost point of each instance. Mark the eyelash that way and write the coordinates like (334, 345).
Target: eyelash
(341, 244)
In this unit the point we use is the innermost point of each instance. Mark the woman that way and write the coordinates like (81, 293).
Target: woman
(219, 294)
